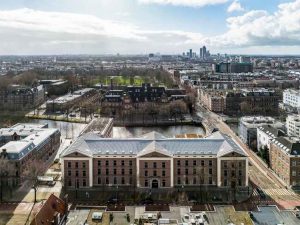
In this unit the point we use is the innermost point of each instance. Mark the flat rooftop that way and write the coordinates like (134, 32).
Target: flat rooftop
(270, 215)
(98, 126)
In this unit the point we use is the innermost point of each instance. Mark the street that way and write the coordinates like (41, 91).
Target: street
(259, 174)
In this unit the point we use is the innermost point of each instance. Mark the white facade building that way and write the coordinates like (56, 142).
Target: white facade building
(291, 98)
(265, 135)
(293, 125)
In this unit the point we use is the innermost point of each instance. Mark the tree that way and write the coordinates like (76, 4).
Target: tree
(33, 169)
(7, 171)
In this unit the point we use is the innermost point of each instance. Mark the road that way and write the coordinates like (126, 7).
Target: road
(260, 175)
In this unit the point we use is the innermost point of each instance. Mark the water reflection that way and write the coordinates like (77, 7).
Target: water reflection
(171, 131)
(68, 130)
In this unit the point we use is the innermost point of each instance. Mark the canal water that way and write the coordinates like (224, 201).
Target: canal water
(171, 131)
(72, 130)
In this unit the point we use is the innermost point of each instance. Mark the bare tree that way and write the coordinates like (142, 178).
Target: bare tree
(7, 171)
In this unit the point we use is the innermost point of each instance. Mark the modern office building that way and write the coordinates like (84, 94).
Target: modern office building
(25, 144)
(204, 52)
(155, 161)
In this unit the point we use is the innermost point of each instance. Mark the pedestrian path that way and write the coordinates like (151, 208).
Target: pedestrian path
(276, 192)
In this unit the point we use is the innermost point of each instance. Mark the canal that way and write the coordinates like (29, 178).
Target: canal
(72, 130)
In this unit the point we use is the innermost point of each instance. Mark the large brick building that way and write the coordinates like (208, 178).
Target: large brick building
(21, 98)
(284, 159)
(154, 161)
(23, 145)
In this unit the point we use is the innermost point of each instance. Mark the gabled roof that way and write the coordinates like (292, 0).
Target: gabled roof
(154, 147)
(153, 136)
(93, 145)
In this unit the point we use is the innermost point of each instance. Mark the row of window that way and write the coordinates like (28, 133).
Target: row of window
(187, 181)
(154, 165)
(194, 171)
(77, 164)
(233, 173)
(202, 163)
(154, 173)
(115, 180)
(114, 171)
(77, 173)
(233, 165)
(114, 163)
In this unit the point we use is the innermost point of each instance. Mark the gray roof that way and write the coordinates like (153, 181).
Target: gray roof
(93, 145)
(270, 215)
(290, 145)
(271, 131)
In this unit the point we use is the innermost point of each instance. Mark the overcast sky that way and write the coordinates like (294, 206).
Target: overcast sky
(143, 26)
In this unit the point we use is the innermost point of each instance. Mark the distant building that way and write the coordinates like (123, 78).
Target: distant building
(67, 101)
(204, 52)
(21, 98)
(245, 101)
(293, 125)
(214, 100)
(248, 128)
(232, 67)
(21, 144)
(245, 59)
(191, 53)
(154, 161)
(252, 101)
(291, 98)
(136, 96)
(285, 160)
(55, 87)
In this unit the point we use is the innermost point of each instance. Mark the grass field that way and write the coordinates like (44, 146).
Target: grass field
(122, 80)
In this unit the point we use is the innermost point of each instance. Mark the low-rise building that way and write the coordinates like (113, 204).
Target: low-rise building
(103, 127)
(68, 101)
(154, 161)
(25, 144)
(248, 128)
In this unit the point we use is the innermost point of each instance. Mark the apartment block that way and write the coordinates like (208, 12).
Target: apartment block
(293, 125)
(25, 144)
(285, 160)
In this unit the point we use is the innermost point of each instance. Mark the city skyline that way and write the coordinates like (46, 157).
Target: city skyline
(143, 26)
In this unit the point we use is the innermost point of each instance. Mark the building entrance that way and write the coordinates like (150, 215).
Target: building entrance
(154, 184)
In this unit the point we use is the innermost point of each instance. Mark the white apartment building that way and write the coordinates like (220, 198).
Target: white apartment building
(293, 125)
(265, 135)
(291, 98)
